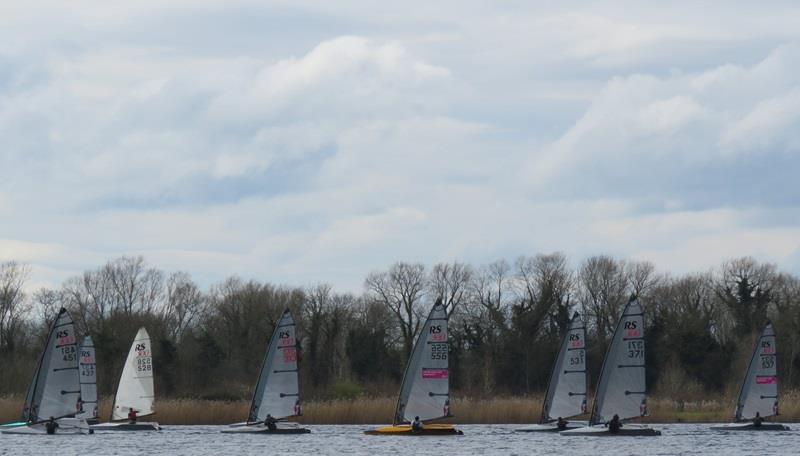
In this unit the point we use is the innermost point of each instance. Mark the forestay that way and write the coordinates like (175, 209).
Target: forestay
(54, 389)
(566, 392)
(621, 388)
(88, 380)
(135, 390)
(277, 391)
(425, 391)
(759, 393)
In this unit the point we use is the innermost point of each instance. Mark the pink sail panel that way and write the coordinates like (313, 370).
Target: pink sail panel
(438, 374)
(766, 380)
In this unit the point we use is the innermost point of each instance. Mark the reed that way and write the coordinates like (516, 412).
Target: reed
(379, 410)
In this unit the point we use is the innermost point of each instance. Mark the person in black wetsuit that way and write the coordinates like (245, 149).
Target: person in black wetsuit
(757, 420)
(561, 423)
(51, 426)
(416, 425)
(614, 425)
(270, 422)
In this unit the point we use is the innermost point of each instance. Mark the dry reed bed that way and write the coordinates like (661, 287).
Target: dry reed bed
(380, 410)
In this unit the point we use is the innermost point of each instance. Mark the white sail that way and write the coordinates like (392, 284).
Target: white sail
(135, 390)
(425, 391)
(621, 388)
(759, 393)
(277, 391)
(88, 379)
(54, 390)
(566, 393)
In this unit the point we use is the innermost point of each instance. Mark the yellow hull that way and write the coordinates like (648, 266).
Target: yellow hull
(405, 429)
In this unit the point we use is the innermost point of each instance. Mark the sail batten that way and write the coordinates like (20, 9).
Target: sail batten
(277, 389)
(136, 390)
(55, 388)
(566, 391)
(425, 390)
(759, 390)
(621, 389)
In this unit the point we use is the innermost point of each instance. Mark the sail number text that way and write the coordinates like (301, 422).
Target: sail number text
(636, 349)
(439, 351)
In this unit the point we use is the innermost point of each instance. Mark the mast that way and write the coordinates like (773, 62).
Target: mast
(136, 390)
(761, 379)
(277, 388)
(425, 390)
(622, 378)
(55, 380)
(88, 379)
(570, 361)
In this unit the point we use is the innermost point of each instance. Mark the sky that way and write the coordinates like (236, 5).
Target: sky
(300, 142)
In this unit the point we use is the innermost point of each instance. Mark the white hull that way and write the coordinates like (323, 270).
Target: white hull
(282, 428)
(552, 427)
(748, 426)
(66, 426)
(126, 426)
(601, 430)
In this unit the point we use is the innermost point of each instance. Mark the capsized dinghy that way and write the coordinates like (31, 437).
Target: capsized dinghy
(277, 391)
(759, 391)
(55, 388)
(425, 391)
(621, 389)
(566, 391)
(135, 390)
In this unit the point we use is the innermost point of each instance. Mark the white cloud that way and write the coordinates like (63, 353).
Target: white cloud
(332, 140)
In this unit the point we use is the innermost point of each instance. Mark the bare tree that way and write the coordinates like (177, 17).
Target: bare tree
(184, 304)
(136, 287)
(489, 289)
(745, 288)
(400, 289)
(13, 304)
(49, 302)
(487, 311)
(603, 292)
(544, 284)
(449, 281)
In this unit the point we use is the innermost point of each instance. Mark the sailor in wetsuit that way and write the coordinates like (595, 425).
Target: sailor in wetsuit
(614, 425)
(132, 416)
(757, 420)
(51, 426)
(270, 422)
(416, 425)
(561, 423)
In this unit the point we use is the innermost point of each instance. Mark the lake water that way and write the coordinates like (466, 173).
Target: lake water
(684, 439)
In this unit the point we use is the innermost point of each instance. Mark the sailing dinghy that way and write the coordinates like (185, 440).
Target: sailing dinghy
(277, 391)
(621, 389)
(55, 388)
(135, 390)
(759, 391)
(566, 392)
(425, 390)
(87, 370)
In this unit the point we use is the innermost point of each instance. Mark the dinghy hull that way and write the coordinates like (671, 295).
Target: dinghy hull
(282, 429)
(141, 426)
(600, 430)
(405, 430)
(751, 427)
(66, 426)
(551, 427)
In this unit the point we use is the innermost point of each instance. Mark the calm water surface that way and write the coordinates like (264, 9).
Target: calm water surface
(684, 439)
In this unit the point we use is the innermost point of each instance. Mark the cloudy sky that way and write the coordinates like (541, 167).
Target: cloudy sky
(298, 142)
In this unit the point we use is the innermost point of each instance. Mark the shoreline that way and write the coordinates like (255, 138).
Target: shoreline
(379, 410)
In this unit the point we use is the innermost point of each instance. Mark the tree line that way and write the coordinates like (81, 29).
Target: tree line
(506, 321)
